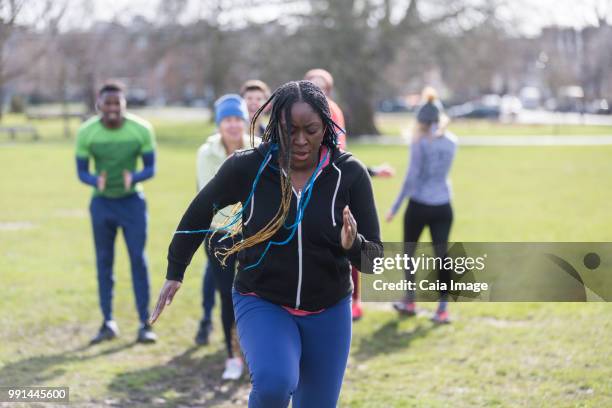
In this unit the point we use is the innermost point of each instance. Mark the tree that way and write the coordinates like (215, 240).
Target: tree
(44, 16)
(596, 40)
(356, 40)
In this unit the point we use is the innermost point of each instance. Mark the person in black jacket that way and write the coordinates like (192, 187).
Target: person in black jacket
(307, 214)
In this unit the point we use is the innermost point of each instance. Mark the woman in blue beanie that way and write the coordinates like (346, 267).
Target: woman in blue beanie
(231, 117)
(426, 184)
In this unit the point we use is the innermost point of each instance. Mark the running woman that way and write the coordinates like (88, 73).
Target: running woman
(432, 152)
(324, 80)
(231, 117)
(255, 93)
(307, 213)
(115, 140)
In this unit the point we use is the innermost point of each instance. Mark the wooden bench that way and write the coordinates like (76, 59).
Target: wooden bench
(45, 116)
(65, 117)
(13, 131)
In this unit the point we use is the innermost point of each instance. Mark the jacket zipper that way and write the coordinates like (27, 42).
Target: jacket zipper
(298, 294)
(299, 286)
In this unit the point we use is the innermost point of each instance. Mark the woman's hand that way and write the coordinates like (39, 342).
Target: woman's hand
(127, 180)
(165, 298)
(389, 217)
(101, 181)
(384, 171)
(349, 229)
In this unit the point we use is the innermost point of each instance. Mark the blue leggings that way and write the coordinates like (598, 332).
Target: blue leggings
(291, 356)
(208, 292)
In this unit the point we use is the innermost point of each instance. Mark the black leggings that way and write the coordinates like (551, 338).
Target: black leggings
(439, 218)
(224, 278)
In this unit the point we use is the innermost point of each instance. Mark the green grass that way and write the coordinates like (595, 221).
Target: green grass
(396, 124)
(181, 132)
(502, 355)
(171, 131)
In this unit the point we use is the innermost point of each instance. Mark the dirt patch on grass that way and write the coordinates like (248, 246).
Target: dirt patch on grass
(71, 213)
(16, 225)
(504, 323)
(186, 380)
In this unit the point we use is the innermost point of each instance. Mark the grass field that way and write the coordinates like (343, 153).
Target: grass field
(498, 355)
(397, 124)
(179, 131)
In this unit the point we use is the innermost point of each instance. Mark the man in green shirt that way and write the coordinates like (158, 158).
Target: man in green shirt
(115, 140)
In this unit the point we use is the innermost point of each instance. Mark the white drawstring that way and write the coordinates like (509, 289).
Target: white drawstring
(252, 208)
(333, 204)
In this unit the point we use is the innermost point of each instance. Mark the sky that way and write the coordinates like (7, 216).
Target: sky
(528, 16)
(535, 14)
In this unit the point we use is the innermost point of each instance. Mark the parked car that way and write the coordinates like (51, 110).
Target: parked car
(136, 97)
(487, 107)
(570, 99)
(511, 105)
(474, 110)
(599, 107)
(530, 97)
(393, 105)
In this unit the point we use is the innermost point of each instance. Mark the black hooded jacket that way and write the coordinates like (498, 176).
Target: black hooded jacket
(312, 271)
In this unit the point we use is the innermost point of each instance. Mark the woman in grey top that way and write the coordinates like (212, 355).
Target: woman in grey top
(426, 184)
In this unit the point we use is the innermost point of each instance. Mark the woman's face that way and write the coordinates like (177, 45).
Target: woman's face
(232, 128)
(254, 99)
(306, 136)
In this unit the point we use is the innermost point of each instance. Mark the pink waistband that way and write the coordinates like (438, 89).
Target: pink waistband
(295, 312)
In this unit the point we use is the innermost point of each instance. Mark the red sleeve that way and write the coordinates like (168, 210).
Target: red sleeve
(338, 117)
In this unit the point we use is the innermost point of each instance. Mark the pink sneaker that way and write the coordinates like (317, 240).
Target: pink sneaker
(405, 308)
(441, 318)
(357, 311)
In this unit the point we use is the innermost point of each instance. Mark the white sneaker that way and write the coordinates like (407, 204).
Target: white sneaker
(233, 369)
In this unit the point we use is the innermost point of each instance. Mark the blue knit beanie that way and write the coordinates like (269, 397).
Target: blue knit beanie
(230, 105)
(429, 112)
